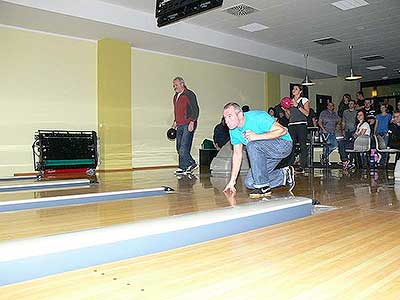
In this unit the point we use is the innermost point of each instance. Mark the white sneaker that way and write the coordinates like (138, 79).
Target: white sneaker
(290, 182)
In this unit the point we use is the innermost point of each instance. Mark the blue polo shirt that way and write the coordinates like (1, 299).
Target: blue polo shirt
(257, 121)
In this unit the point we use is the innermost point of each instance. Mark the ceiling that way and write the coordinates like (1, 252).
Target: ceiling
(215, 36)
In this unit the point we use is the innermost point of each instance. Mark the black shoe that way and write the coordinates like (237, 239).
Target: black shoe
(290, 182)
(191, 168)
(261, 192)
(315, 202)
(299, 170)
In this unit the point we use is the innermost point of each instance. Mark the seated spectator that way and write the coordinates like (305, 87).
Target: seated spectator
(328, 120)
(362, 128)
(221, 134)
(382, 128)
(394, 132)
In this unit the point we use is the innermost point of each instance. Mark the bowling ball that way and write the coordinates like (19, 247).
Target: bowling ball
(171, 133)
(286, 102)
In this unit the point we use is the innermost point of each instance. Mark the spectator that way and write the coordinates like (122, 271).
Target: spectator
(394, 132)
(362, 128)
(389, 107)
(328, 120)
(221, 134)
(312, 120)
(398, 107)
(349, 120)
(344, 104)
(370, 113)
(382, 128)
(360, 100)
(271, 112)
(282, 119)
(245, 108)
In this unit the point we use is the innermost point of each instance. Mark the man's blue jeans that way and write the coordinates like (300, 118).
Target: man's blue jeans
(330, 139)
(264, 156)
(184, 140)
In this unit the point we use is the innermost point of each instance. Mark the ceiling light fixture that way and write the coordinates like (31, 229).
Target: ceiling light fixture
(352, 76)
(307, 81)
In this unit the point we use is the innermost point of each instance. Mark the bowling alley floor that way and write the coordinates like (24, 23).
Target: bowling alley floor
(351, 252)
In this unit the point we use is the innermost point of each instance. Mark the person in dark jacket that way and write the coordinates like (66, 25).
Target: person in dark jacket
(221, 134)
(186, 113)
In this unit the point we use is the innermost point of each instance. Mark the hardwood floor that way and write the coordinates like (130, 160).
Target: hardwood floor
(349, 253)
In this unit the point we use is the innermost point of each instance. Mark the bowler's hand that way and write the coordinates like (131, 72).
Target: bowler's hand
(231, 198)
(230, 187)
(191, 126)
(250, 135)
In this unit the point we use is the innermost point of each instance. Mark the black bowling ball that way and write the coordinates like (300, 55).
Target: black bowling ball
(171, 133)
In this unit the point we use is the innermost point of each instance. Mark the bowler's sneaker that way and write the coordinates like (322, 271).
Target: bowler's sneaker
(179, 171)
(191, 168)
(261, 192)
(290, 182)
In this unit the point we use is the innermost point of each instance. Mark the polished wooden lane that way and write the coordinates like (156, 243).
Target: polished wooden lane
(343, 254)
(349, 253)
(196, 194)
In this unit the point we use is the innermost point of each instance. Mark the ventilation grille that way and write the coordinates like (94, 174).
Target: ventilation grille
(372, 57)
(240, 10)
(327, 41)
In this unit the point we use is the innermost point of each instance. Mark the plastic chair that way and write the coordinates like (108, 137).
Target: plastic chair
(362, 145)
(383, 149)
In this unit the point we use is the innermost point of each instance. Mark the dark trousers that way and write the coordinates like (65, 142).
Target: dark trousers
(184, 140)
(298, 134)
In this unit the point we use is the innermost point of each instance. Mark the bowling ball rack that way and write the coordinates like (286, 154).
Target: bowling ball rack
(61, 151)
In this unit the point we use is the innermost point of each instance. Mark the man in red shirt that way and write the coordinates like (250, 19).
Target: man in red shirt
(186, 113)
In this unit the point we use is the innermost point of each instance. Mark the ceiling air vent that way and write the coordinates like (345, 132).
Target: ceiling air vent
(240, 10)
(326, 41)
(372, 57)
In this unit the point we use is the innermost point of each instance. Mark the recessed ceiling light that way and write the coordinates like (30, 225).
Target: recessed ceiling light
(349, 4)
(372, 57)
(374, 68)
(326, 41)
(385, 77)
(253, 27)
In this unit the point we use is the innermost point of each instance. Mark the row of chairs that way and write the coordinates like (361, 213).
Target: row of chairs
(363, 145)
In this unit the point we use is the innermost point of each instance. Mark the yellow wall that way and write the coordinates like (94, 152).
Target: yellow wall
(272, 89)
(46, 82)
(152, 93)
(114, 104)
(334, 87)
